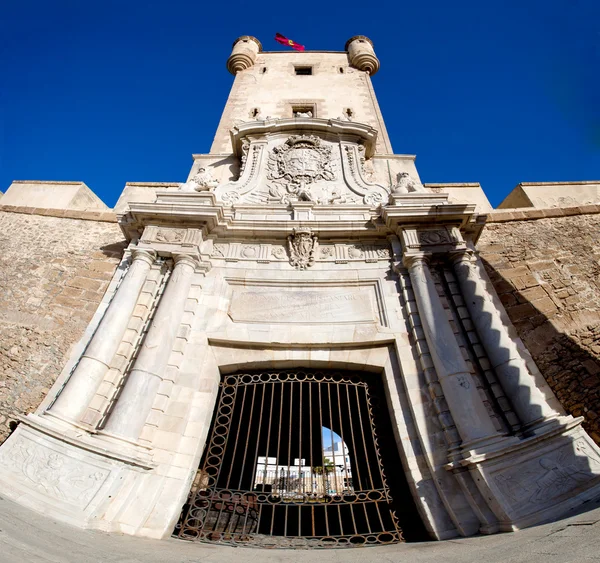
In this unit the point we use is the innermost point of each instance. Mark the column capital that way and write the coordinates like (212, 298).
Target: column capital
(144, 254)
(185, 259)
(459, 256)
(412, 260)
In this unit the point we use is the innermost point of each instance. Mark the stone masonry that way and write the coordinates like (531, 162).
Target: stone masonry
(54, 272)
(300, 244)
(545, 268)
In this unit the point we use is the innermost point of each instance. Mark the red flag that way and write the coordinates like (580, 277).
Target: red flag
(285, 41)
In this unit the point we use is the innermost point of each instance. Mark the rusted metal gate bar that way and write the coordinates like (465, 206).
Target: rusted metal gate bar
(251, 488)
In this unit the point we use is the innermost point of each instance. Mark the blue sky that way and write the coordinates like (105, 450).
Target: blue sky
(109, 92)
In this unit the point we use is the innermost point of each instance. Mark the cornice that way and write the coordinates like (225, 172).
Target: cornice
(299, 125)
(202, 211)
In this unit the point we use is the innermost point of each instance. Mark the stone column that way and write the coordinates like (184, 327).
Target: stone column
(518, 384)
(468, 410)
(135, 401)
(84, 381)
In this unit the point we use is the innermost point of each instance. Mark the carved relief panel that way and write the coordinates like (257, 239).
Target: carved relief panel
(51, 472)
(442, 238)
(302, 250)
(164, 235)
(280, 166)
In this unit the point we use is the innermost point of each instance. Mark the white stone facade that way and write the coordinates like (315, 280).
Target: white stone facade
(304, 243)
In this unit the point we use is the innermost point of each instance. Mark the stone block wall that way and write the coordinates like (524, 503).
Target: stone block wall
(54, 271)
(545, 266)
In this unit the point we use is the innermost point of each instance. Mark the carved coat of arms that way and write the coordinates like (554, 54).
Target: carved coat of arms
(302, 246)
(296, 164)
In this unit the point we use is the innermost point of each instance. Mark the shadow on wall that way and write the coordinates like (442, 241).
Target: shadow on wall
(564, 344)
(114, 250)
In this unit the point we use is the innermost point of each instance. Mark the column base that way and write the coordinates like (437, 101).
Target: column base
(60, 471)
(539, 478)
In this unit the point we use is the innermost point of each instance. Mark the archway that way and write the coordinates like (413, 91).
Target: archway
(296, 459)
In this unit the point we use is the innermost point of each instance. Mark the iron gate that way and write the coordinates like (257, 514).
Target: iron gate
(293, 461)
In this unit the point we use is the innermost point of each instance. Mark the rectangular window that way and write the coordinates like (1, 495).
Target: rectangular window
(303, 70)
(303, 111)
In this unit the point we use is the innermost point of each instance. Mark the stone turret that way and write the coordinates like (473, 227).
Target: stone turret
(243, 53)
(361, 54)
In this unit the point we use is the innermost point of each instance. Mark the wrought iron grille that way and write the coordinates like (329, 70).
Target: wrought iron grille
(293, 461)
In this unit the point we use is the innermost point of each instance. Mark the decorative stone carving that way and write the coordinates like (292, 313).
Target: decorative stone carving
(302, 246)
(372, 197)
(429, 239)
(201, 182)
(434, 237)
(405, 185)
(231, 197)
(233, 192)
(250, 251)
(536, 483)
(366, 166)
(278, 252)
(296, 164)
(219, 251)
(244, 157)
(164, 235)
(50, 472)
(170, 235)
(266, 252)
(355, 251)
(327, 251)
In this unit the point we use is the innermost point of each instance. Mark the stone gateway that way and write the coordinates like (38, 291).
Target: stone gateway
(301, 345)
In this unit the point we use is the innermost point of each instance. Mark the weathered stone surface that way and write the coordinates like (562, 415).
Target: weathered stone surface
(546, 272)
(53, 274)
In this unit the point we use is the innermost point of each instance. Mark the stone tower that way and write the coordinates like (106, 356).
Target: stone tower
(300, 347)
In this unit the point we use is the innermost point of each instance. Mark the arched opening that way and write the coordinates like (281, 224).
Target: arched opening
(296, 459)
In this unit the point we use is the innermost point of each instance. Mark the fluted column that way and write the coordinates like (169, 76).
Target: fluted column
(135, 402)
(516, 380)
(83, 383)
(468, 410)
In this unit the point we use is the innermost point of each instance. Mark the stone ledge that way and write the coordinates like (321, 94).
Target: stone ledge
(528, 214)
(102, 216)
(154, 184)
(51, 182)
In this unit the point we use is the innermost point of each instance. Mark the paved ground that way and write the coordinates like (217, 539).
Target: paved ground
(29, 537)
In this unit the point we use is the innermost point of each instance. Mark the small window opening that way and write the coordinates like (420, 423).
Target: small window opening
(341, 70)
(303, 111)
(303, 70)
(263, 69)
(349, 114)
(255, 112)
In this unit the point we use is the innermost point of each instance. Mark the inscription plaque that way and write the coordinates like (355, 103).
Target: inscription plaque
(302, 306)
